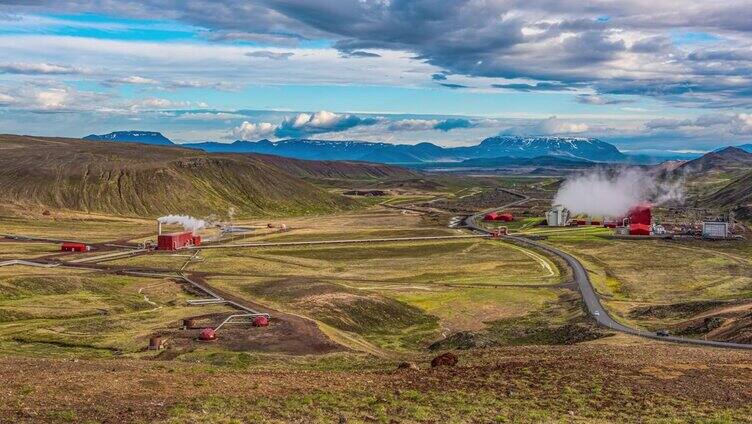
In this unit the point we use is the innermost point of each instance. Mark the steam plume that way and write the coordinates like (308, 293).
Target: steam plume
(189, 223)
(609, 192)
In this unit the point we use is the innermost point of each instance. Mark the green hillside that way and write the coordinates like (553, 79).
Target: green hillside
(135, 179)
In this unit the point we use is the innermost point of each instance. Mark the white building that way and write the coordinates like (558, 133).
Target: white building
(557, 216)
(715, 229)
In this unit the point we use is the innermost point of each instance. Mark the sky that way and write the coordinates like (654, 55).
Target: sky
(673, 75)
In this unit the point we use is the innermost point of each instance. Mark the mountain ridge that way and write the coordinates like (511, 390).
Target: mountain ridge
(133, 136)
(498, 146)
(140, 180)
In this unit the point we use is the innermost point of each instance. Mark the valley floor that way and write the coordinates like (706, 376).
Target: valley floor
(73, 337)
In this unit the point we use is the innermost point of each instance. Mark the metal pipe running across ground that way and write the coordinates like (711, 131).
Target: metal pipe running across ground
(591, 298)
(325, 242)
(216, 295)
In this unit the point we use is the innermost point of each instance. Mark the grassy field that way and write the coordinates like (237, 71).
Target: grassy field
(633, 274)
(90, 228)
(389, 297)
(80, 312)
(380, 304)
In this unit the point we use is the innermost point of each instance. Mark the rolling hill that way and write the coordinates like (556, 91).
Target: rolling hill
(736, 196)
(729, 159)
(313, 169)
(133, 179)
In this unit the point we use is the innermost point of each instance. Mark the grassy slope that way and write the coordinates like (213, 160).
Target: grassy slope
(336, 169)
(132, 179)
(632, 274)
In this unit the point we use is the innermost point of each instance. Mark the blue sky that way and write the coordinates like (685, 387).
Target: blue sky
(669, 76)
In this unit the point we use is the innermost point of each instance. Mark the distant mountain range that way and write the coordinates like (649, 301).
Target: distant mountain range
(506, 161)
(746, 147)
(494, 147)
(143, 137)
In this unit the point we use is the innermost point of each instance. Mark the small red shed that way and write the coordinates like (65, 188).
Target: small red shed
(506, 217)
(493, 216)
(74, 247)
(175, 241)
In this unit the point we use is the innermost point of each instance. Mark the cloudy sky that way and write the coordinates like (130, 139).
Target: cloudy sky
(670, 74)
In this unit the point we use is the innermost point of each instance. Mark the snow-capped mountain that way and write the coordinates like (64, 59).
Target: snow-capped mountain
(501, 146)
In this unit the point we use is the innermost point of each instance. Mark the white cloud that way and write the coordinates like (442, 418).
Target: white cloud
(160, 103)
(133, 79)
(39, 69)
(252, 131)
(208, 116)
(305, 124)
(413, 125)
(554, 126)
(6, 100)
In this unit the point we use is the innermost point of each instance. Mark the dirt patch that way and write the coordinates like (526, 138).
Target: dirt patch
(286, 333)
(282, 335)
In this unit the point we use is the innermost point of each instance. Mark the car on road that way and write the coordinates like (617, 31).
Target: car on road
(596, 313)
(662, 333)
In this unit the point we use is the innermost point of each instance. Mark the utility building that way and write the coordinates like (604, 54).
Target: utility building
(175, 241)
(557, 216)
(715, 230)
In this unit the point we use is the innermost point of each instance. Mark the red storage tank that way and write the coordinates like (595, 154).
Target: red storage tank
(260, 321)
(207, 334)
(74, 247)
(175, 241)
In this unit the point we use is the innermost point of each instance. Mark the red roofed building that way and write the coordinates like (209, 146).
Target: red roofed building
(495, 216)
(639, 229)
(641, 214)
(175, 241)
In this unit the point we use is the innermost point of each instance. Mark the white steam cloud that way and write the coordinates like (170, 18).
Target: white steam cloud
(189, 223)
(604, 192)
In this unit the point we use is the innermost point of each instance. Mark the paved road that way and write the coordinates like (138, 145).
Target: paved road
(590, 297)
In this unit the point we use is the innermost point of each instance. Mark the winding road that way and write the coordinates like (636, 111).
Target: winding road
(591, 298)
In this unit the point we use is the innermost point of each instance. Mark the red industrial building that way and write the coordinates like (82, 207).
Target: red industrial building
(74, 247)
(495, 216)
(640, 220)
(175, 241)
